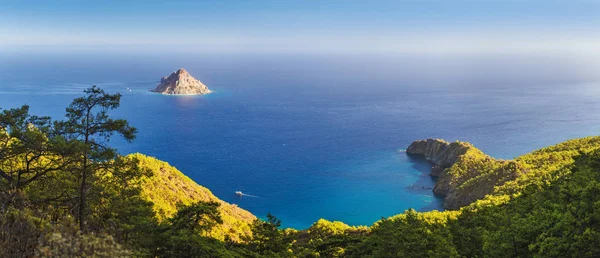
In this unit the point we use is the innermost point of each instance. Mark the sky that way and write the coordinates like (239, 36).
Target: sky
(430, 26)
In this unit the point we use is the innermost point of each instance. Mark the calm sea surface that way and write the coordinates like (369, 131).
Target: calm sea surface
(320, 136)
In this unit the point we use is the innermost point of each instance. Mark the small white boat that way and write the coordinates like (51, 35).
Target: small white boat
(239, 193)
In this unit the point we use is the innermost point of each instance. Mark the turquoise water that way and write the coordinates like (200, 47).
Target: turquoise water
(320, 136)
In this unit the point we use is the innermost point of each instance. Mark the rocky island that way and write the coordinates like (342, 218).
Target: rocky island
(181, 83)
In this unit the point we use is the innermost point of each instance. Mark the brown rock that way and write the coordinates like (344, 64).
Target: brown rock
(439, 152)
(181, 83)
(436, 171)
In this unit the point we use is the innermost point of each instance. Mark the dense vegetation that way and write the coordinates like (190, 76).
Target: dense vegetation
(64, 192)
(477, 176)
(167, 188)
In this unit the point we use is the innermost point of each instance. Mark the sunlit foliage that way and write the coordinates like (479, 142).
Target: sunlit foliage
(543, 204)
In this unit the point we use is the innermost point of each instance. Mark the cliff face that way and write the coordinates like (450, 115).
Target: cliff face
(181, 83)
(465, 173)
(439, 152)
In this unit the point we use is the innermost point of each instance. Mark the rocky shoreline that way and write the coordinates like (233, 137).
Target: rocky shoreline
(440, 153)
(464, 173)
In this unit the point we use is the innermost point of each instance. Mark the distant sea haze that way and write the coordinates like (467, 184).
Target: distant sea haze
(321, 136)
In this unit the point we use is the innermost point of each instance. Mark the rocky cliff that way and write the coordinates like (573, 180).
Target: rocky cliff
(465, 173)
(438, 151)
(181, 83)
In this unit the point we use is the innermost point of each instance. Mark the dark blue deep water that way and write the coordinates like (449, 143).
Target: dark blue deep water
(320, 136)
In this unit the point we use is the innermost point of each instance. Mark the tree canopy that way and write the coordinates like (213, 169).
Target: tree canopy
(66, 192)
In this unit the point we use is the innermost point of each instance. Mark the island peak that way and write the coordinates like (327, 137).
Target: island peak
(181, 82)
(181, 71)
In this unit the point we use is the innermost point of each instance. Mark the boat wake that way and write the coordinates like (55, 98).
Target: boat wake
(238, 193)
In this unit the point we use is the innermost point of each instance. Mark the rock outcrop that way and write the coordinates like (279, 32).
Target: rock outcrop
(473, 179)
(465, 174)
(439, 152)
(181, 83)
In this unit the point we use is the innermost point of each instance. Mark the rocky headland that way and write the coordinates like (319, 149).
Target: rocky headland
(440, 153)
(181, 82)
(465, 174)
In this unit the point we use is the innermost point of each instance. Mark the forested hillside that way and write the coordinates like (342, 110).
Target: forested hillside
(64, 192)
(166, 188)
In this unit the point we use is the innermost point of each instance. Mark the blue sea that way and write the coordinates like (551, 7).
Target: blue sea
(320, 135)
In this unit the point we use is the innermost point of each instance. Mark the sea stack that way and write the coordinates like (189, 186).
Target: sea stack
(181, 83)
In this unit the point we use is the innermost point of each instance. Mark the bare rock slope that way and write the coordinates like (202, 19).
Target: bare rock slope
(181, 83)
